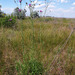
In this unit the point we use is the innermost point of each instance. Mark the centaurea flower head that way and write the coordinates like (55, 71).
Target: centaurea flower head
(19, 10)
(20, 1)
(30, 5)
(10, 19)
(41, 11)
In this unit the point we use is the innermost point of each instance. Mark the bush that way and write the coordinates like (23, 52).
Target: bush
(48, 19)
(7, 21)
(19, 13)
(0, 21)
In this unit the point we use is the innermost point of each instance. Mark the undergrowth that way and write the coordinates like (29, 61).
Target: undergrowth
(40, 46)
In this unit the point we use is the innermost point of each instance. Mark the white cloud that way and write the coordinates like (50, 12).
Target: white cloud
(64, 1)
(51, 6)
(42, 7)
(60, 12)
(58, 0)
(8, 10)
(39, 6)
(51, 10)
(73, 3)
(39, 2)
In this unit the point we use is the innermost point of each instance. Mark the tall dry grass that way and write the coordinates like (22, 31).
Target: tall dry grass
(49, 36)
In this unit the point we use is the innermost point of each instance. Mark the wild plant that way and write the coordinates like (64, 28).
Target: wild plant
(8, 21)
(18, 11)
(2, 14)
(26, 67)
(31, 7)
(30, 64)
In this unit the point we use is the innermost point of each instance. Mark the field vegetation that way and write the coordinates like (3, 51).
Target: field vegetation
(28, 46)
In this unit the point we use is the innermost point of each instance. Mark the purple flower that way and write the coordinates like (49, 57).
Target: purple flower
(41, 11)
(20, 1)
(19, 10)
(30, 5)
(10, 19)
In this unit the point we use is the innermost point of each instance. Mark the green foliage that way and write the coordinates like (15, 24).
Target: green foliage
(48, 19)
(0, 22)
(1, 54)
(7, 21)
(22, 68)
(2, 14)
(51, 35)
(34, 14)
(64, 20)
(19, 14)
(1, 61)
(35, 68)
(32, 67)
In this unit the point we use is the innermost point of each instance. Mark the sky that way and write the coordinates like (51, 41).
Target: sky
(56, 8)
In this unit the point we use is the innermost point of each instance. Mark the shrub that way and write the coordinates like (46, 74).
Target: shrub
(0, 21)
(19, 13)
(8, 21)
(48, 19)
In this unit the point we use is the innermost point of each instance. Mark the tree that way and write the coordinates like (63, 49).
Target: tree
(2, 14)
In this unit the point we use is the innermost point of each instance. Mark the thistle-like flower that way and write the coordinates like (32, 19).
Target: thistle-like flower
(10, 19)
(41, 11)
(20, 1)
(19, 10)
(29, 5)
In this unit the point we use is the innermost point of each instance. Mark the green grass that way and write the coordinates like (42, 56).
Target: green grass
(53, 33)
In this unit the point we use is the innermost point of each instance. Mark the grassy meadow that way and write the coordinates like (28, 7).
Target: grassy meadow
(40, 39)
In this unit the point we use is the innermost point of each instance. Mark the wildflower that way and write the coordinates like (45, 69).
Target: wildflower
(30, 5)
(10, 19)
(41, 11)
(20, 1)
(19, 10)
